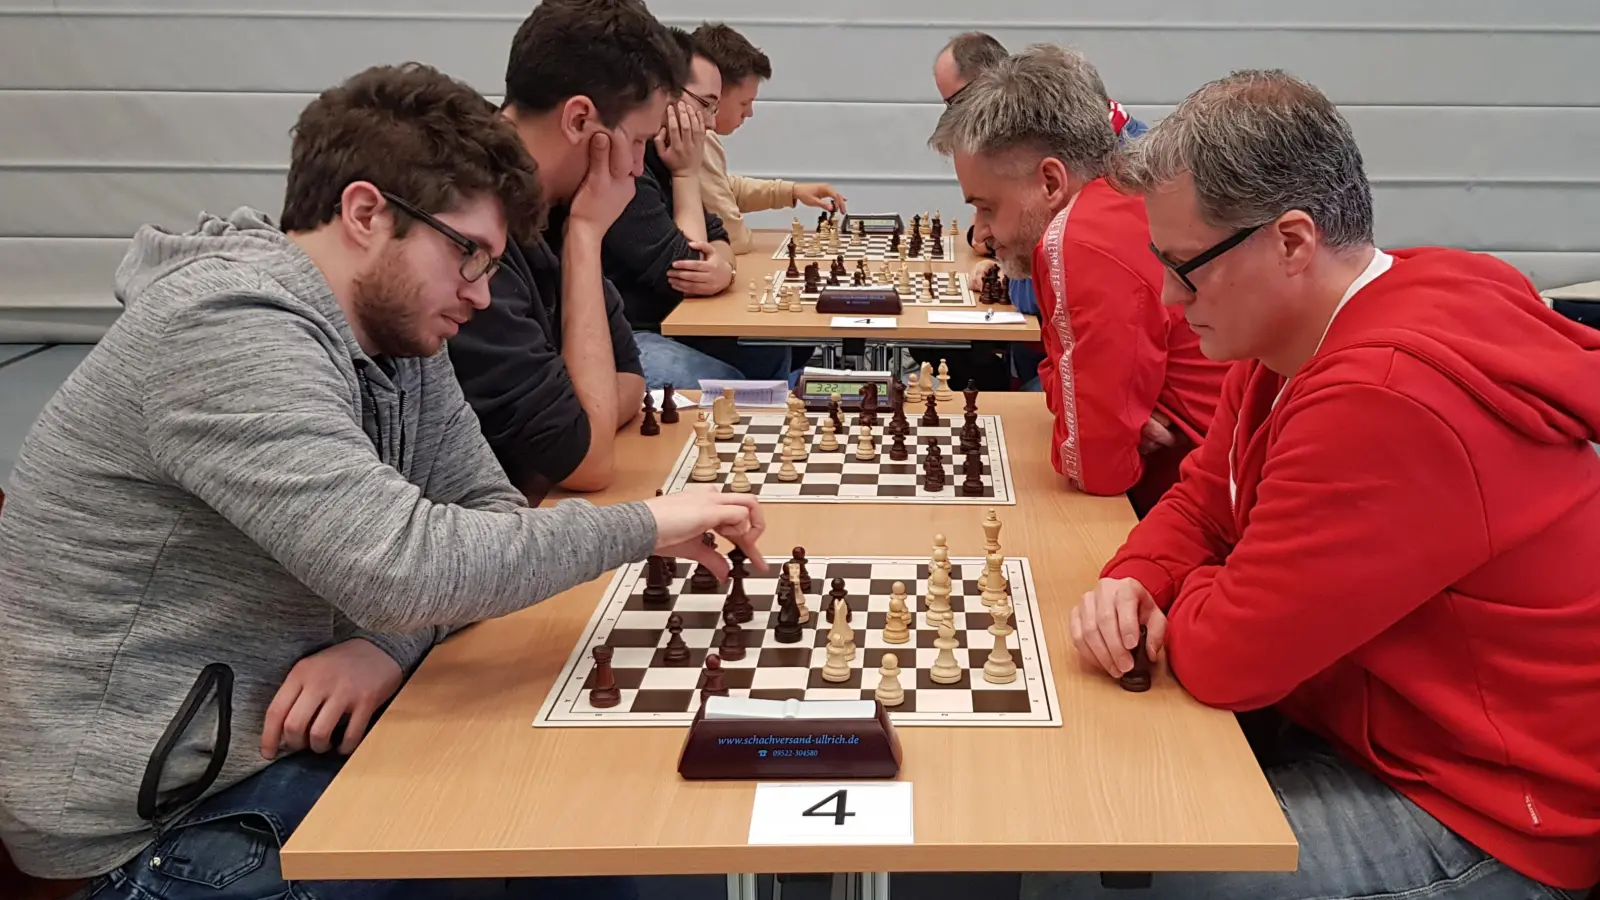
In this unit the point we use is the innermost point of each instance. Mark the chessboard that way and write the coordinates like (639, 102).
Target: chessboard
(942, 289)
(661, 638)
(870, 247)
(755, 454)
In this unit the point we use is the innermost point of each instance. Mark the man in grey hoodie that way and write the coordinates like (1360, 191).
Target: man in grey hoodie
(262, 498)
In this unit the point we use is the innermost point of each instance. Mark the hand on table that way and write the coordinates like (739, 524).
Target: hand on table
(702, 277)
(352, 678)
(682, 518)
(1105, 625)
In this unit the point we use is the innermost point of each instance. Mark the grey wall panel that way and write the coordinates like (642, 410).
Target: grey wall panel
(816, 62)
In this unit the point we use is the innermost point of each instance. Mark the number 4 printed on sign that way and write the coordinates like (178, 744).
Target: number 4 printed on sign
(870, 812)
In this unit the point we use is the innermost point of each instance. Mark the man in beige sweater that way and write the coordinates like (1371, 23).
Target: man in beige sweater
(731, 196)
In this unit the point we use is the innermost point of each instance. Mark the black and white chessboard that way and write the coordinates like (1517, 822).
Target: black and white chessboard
(872, 248)
(949, 288)
(831, 476)
(657, 693)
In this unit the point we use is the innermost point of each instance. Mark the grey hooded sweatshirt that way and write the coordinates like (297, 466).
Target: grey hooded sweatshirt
(225, 485)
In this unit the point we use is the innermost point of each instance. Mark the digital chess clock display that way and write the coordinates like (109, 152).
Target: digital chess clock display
(842, 388)
(885, 224)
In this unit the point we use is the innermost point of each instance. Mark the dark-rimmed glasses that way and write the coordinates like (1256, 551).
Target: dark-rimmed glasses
(476, 262)
(1182, 269)
(708, 104)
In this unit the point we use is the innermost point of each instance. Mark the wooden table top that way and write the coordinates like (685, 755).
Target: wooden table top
(728, 315)
(454, 781)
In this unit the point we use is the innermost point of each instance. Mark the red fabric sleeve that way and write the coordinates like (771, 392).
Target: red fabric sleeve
(1105, 344)
(1359, 518)
(1193, 524)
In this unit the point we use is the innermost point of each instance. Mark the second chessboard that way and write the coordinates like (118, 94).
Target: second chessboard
(925, 288)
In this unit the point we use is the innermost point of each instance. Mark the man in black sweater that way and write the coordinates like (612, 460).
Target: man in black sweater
(551, 367)
(665, 247)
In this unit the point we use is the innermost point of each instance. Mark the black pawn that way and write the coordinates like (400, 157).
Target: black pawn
(930, 416)
(805, 576)
(732, 644)
(704, 581)
(649, 427)
(973, 485)
(788, 630)
(712, 682)
(669, 406)
(897, 449)
(677, 652)
(604, 694)
(834, 596)
(738, 602)
(1137, 679)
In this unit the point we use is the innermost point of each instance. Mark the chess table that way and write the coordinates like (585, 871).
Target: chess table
(456, 780)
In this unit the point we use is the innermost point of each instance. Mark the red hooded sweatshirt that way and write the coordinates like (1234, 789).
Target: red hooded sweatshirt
(1113, 353)
(1397, 548)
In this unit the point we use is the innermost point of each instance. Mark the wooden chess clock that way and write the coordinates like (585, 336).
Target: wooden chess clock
(744, 739)
(816, 387)
(854, 300)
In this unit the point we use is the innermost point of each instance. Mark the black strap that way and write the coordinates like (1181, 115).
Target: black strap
(216, 676)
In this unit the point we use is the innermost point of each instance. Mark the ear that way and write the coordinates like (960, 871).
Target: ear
(578, 114)
(364, 213)
(1297, 238)
(1057, 181)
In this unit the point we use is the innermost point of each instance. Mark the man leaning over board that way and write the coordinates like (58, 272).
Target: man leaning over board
(262, 498)
(552, 368)
(1385, 547)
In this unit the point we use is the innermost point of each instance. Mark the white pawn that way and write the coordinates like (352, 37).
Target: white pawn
(740, 484)
(749, 454)
(889, 691)
(894, 630)
(864, 447)
(837, 668)
(829, 442)
(755, 299)
(787, 471)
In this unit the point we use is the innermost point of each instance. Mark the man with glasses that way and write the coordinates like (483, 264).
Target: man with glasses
(666, 248)
(552, 368)
(1384, 550)
(742, 68)
(1124, 377)
(262, 498)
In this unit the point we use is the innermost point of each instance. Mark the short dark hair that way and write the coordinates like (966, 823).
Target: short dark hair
(732, 53)
(612, 51)
(974, 51)
(416, 133)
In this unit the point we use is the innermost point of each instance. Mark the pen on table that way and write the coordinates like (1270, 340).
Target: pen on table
(988, 315)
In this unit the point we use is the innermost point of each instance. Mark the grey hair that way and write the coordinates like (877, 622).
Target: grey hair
(1044, 98)
(1258, 144)
(973, 52)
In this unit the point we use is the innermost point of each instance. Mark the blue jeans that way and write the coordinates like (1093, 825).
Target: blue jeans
(227, 849)
(684, 362)
(1358, 839)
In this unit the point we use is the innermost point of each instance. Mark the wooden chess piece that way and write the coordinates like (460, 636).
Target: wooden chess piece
(1000, 668)
(1137, 679)
(704, 581)
(930, 416)
(731, 646)
(837, 595)
(787, 471)
(799, 559)
(649, 427)
(945, 669)
(788, 630)
(944, 381)
(897, 449)
(604, 694)
(711, 683)
(889, 691)
(829, 441)
(864, 447)
(669, 405)
(656, 578)
(748, 448)
(837, 668)
(895, 630)
(740, 483)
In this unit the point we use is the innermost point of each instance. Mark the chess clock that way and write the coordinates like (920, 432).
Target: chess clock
(853, 300)
(817, 386)
(884, 224)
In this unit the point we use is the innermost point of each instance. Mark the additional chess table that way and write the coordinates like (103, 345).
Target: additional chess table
(654, 692)
(872, 248)
(830, 476)
(949, 288)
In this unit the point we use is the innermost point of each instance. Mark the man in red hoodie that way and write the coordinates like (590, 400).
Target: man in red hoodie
(1386, 542)
(1124, 376)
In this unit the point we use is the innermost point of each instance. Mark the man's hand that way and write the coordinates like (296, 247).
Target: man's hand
(1105, 625)
(820, 195)
(352, 679)
(980, 267)
(1155, 434)
(700, 277)
(607, 186)
(682, 518)
(682, 139)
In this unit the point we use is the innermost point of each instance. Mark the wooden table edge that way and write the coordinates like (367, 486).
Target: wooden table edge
(798, 859)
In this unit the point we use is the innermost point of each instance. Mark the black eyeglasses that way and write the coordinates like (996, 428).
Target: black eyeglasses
(1182, 269)
(708, 104)
(476, 262)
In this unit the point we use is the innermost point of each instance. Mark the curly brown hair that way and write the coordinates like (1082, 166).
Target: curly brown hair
(418, 134)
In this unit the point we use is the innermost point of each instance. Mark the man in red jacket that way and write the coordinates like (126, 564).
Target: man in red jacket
(1387, 540)
(1124, 376)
